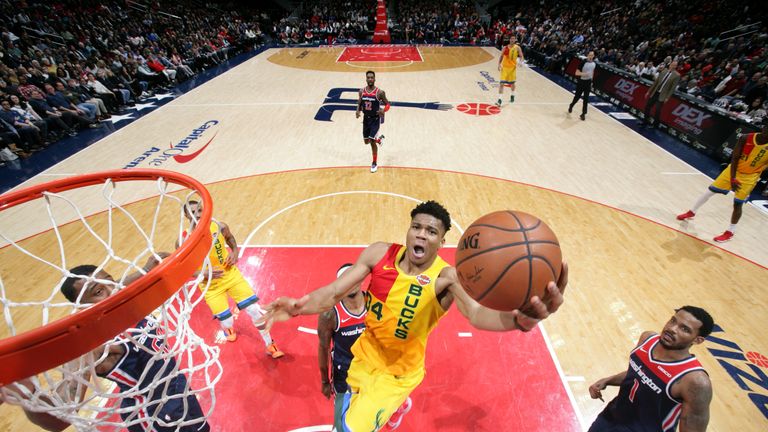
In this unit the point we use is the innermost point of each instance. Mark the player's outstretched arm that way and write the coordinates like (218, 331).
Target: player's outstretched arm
(322, 299)
(326, 323)
(595, 390)
(614, 380)
(696, 390)
(484, 318)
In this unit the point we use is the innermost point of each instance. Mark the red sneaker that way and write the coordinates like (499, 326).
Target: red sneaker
(685, 216)
(397, 417)
(274, 352)
(724, 237)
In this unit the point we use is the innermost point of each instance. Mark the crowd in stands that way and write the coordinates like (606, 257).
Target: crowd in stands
(642, 37)
(327, 22)
(68, 65)
(439, 21)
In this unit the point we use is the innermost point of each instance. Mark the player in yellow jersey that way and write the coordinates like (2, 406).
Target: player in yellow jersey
(411, 288)
(749, 160)
(508, 67)
(227, 281)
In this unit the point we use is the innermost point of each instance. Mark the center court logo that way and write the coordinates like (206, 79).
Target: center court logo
(744, 368)
(179, 152)
(334, 102)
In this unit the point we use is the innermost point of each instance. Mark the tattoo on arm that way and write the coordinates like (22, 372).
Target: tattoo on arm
(696, 399)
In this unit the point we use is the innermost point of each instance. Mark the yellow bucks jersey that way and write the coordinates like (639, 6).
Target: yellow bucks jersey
(219, 252)
(218, 256)
(754, 156)
(402, 311)
(509, 56)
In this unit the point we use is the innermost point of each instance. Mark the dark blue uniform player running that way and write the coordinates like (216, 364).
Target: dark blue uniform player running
(371, 102)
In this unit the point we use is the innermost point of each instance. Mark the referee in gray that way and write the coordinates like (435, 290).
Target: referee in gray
(584, 84)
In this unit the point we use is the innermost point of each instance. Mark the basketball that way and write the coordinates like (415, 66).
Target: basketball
(506, 257)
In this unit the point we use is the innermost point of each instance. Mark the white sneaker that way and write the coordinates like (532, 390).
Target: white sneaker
(380, 140)
(374, 167)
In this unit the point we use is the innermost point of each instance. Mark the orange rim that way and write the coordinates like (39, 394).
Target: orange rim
(58, 342)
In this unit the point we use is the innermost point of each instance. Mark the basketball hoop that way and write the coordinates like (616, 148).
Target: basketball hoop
(64, 351)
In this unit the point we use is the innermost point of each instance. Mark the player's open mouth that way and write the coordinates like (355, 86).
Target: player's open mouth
(667, 336)
(418, 251)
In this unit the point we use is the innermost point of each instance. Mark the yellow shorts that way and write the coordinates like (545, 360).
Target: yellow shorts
(722, 184)
(232, 284)
(374, 396)
(508, 75)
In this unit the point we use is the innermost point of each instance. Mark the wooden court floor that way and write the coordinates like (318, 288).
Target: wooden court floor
(283, 157)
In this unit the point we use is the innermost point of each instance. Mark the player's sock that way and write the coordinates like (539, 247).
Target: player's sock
(228, 323)
(227, 326)
(512, 96)
(732, 228)
(266, 336)
(702, 199)
(255, 312)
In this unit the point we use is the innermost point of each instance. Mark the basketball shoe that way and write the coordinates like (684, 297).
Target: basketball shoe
(512, 99)
(498, 102)
(274, 352)
(380, 140)
(231, 335)
(374, 167)
(724, 237)
(685, 216)
(397, 417)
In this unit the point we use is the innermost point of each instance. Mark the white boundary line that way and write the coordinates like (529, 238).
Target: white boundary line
(319, 428)
(562, 377)
(307, 330)
(296, 204)
(341, 53)
(679, 173)
(421, 57)
(315, 103)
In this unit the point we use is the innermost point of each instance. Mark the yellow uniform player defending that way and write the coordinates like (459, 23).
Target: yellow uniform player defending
(749, 160)
(227, 281)
(411, 289)
(508, 67)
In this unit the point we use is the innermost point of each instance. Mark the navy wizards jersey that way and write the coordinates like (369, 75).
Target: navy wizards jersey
(645, 403)
(371, 103)
(348, 328)
(136, 368)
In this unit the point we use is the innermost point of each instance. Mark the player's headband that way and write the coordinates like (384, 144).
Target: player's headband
(342, 269)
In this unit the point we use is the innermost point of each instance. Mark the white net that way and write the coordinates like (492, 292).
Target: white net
(157, 375)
